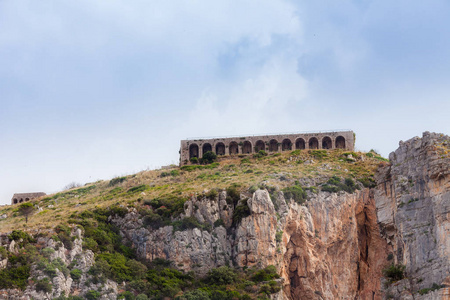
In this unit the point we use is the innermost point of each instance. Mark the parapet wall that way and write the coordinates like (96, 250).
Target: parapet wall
(269, 143)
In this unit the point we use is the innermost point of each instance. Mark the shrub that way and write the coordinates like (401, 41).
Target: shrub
(233, 195)
(296, 193)
(367, 182)
(44, 285)
(141, 297)
(189, 223)
(241, 211)
(208, 158)
(197, 294)
(334, 185)
(16, 235)
(270, 288)
(117, 180)
(174, 173)
(266, 274)
(137, 189)
(434, 287)
(212, 194)
(319, 154)
(219, 222)
(221, 276)
(76, 274)
(92, 295)
(394, 272)
(194, 160)
(47, 252)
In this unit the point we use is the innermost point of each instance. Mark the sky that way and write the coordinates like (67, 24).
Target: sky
(92, 90)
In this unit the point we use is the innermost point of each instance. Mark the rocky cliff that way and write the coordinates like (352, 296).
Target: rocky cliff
(326, 243)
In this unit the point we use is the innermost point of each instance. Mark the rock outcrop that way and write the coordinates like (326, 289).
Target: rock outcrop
(413, 209)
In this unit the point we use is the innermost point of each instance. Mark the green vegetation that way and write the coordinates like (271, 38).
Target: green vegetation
(295, 192)
(334, 185)
(208, 158)
(44, 285)
(394, 272)
(116, 180)
(434, 287)
(241, 211)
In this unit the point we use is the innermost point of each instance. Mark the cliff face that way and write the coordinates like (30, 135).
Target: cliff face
(328, 248)
(333, 246)
(413, 209)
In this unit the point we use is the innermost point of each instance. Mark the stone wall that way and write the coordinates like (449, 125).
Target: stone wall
(269, 143)
(24, 197)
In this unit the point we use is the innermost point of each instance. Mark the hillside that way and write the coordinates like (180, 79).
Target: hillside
(279, 170)
(309, 224)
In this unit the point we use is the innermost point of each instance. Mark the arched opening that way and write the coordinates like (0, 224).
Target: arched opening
(247, 147)
(300, 144)
(340, 142)
(326, 143)
(27, 199)
(206, 147)
(313, 143)
(260, 146)
(15, 201)
(234, 149)
(220, 149)
(193, 151)
(273, 146)
(21, 200)
(286, 145)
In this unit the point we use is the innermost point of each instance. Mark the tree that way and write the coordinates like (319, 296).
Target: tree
(26, 209)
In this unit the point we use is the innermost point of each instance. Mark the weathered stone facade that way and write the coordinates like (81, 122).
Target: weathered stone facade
(24, 197)
(270, 143)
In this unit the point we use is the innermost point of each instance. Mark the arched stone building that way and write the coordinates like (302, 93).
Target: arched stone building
(269, 143)
(25, 197)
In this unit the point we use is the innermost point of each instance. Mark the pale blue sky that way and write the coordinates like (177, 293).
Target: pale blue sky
(95, 89)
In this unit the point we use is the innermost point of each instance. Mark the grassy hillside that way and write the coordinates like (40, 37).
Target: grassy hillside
(312, 169)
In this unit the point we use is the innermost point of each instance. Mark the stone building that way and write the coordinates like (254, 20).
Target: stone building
(24, 197)
(270, 143)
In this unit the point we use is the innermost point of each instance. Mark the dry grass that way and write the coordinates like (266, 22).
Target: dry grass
(243, 172)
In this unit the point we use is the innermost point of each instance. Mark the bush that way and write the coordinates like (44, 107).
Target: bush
(212, 194)
(270, 288)
(208, 158)
(219, 222)
(394, 272)
(92, 295)
(233, 195)
(296, 193)
(434, 287)
(189, 223)
(47, 252)
(266, 274)
(76, 274)
(117, 180)
(194, 160)
(137, 189)
(197, 294)
(44, 285)
(241, 211)
(334, 185)
(221, 276)
(16, 235)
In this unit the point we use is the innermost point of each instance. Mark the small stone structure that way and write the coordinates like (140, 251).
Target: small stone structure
(270, 143)
(24, 197)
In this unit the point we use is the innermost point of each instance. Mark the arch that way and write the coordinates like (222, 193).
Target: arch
(193, 151)
(313, 143)
(15, 201)
(234, 148)
(300, 144)
(246, 147)
(340, 142)
(27, 199)
(260, 146)
(21, 200)
(206, 147)
(220, 149)
(326, 143)
(286, 145)
(273, 146)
